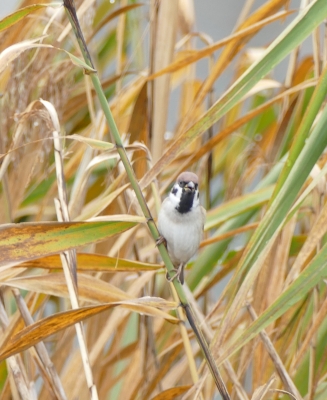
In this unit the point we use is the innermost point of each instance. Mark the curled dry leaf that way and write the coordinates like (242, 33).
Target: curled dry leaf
(53, 114)
(8, 55)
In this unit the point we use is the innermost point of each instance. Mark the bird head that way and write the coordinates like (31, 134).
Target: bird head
(185, 194)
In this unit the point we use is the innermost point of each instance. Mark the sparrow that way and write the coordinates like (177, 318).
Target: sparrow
(181, 221)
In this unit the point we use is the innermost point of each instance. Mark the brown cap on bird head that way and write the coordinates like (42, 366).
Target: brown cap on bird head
(188, 177)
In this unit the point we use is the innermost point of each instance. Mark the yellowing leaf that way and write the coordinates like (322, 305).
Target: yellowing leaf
(26, 241)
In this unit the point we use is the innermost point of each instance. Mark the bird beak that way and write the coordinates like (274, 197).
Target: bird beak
(189, 186)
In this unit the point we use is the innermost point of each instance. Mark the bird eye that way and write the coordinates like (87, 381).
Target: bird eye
(181, 184)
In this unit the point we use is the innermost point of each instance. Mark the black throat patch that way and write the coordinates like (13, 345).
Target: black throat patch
(185, 205)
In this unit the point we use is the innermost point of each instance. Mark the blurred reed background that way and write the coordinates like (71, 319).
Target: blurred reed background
(232, 90)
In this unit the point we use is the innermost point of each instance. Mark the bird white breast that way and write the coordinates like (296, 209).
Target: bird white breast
(183, 232)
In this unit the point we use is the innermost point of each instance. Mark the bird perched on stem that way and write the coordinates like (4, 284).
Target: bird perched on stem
(181, 221)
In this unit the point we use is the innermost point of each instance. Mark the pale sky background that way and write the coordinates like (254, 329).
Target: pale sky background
(7, 6)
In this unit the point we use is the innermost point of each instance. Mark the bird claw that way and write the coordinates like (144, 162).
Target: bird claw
(179, 274)
(161, 240)
(171, 278)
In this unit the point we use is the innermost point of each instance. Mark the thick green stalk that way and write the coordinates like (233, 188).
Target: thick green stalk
(71, 12)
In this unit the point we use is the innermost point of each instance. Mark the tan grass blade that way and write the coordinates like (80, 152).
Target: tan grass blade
(91, 289)
(92, 262)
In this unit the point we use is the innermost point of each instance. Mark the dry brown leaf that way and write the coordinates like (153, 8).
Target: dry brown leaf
(55, 323)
